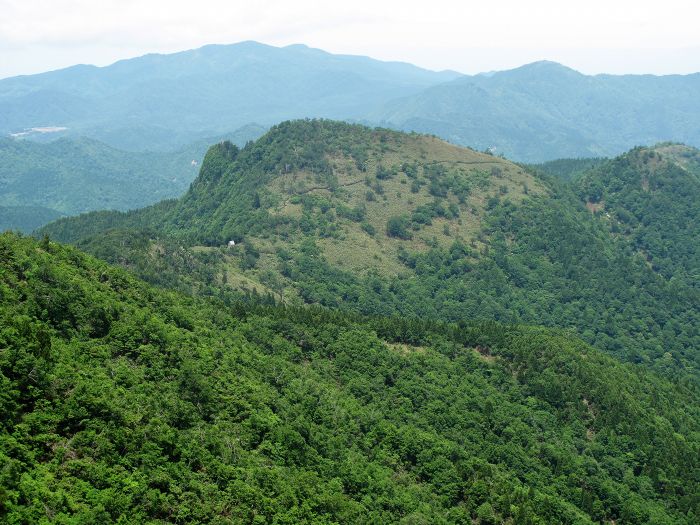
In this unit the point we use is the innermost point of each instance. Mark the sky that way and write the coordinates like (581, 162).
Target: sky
(592, 36)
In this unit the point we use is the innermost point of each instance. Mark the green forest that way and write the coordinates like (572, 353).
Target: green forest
(405, 331)
(127, 403)
(41, 182)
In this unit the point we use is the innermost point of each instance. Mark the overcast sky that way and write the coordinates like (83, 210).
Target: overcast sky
(593, 36)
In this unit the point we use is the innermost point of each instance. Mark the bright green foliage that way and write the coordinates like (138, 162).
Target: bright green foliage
(125, 403)
(651, 196)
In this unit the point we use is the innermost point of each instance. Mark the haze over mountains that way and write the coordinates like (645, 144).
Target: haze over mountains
(40, 181)
(537, 112)
(163, 101)
(544, 111)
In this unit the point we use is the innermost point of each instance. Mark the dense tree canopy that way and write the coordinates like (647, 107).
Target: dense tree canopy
(123, 402)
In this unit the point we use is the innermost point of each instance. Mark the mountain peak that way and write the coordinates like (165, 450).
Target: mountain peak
(544, 67)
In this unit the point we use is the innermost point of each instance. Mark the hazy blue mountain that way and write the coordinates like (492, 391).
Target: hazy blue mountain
(41, 182)
(544, 110)
(534, 113)
(26, 218)
(163, 101)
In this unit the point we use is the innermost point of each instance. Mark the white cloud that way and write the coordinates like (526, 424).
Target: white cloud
(593, 35)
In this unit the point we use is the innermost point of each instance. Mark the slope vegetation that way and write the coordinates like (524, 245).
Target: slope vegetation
(125, 403)
(388, 223)
(650, 196)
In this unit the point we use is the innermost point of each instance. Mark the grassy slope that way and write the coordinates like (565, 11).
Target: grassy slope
(316, 191)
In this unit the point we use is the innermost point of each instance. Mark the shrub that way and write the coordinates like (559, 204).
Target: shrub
(397, 226)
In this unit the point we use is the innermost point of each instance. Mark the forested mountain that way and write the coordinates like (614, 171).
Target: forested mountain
(40, 182)
(387, 223)
(652, 197)
(544, 111)
(126, 403)
(534, 113)
(166, 101)
(568, 169)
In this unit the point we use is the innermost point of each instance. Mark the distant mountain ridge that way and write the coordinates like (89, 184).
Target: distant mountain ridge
(534, 113)
(164, 101)
(542, 111)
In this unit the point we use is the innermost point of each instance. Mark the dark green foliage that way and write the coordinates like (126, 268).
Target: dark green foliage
(250, 256)
(547, 263)
(651, 195)
(368, 228)
(356, 214)
(157, 259)
(426, 213)
(384, 173)
(568, 169)
(398, 227)
(125, 403)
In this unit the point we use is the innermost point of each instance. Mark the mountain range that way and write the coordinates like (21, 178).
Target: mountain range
(319, 321)
(544, 111)
(534, 113)
(166, 101)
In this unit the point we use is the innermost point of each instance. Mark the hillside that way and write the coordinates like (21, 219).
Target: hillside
(650, 196)
(568, 169)
(387, 223)
(360, 196)
(338, 182)
(544, 111)
(26, 218)
(40, 182)
(161, 102)
(125, 403)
